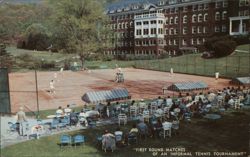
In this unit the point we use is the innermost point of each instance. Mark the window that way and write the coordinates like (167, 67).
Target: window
(153, 31)
(174, 42)
(171, 32)
(200, 17)
(176, 20)
(205, 29)
(145, 31)
(131, 24)
(206, 17)
(184, 30)
(138, 23)
(176, 10)
(153, 22)
(160, 21)
(138, 32)
(161, 3)
(199, 41)
(194, 30)
(241, 13)
(166, 31)
(246, 13)
(224, 15)
(172, 10)
(217, 29)
(184, 19)
(206, 6)
(194, 18)
(170, 42)
(217, 4)
(193, 41)
(176, 31)
(166, 20)
(145, 22)
(243, 2)
(160, 31)
(171, 20)
(184, 42)
(244, 27)
(217, 16)
(224, 28)
(194, 7)
(199, 28)
(200, 6)
(185, 9)
(225, 4)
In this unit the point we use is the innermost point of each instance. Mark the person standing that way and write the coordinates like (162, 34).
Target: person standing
(51, 85)
(21, 121)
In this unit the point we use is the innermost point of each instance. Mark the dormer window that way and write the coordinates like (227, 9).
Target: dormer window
(161, 3)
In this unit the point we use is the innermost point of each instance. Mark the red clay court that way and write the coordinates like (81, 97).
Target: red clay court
(70, 86)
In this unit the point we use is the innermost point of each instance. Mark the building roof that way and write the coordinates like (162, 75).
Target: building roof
(188, 86)
(241, 80)
(106, 95)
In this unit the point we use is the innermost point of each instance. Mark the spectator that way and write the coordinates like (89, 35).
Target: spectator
(67, 110)
(73, 118)
(108, 141)
(118, 136)
(143, 129)
(59, 111)
(158, 128)
(21, 119)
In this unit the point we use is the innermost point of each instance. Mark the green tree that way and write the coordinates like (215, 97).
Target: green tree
(5, 57)
(79, 26)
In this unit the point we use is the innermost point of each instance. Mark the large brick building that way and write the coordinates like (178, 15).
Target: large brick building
(155, 27)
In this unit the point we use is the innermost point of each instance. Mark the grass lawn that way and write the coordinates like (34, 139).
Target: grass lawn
(235, 65)
(229, 134)
(245, 47)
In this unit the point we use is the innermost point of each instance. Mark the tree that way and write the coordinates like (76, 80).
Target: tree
(5, 57)
(221, 46)
(80, 26)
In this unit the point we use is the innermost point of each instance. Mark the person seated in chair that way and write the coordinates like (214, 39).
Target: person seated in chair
(108, 141)
(73, 118)
(158, 128)
(132, 135)
(143, 129)
(118, 137)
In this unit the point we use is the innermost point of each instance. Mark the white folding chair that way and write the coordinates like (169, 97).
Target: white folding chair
(133, 111)
(122, 117)
(142, 107)
(167, 129)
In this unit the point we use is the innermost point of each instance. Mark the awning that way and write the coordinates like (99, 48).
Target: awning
(106, 95)
(188, 86)
(241, 80)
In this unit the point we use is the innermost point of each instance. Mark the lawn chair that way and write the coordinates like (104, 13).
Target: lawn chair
(122, 117)
(166, 129)
(65, 140)
(78, 139)
(133, 111)
(13, 128)
(132, 138)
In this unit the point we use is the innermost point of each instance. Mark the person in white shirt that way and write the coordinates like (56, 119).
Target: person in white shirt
(67, 110)
(51, 85)
(169, 101)
(118, 135)
(59, 111)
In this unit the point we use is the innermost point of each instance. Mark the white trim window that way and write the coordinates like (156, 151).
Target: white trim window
(205, 6)
(217, 16)
(194, 7)
(166, 31)
(169, 42)
(217, 4)
(246, 13)
(184, 19)
(184, 30)
(216, 29)
(224, 15)
(176, 31)
(185, 9)
(194, 18)
(194, 31)
(174, 42)
(205, 29)
(200, 7)
(193, 41)
(225, 4)
(224, 28)
(206, 17)
(199, 29)
(200, 17)
(176, 20)
(184, 42)
(171, 21)
(171, 31)
(199, 41)
(166, 20)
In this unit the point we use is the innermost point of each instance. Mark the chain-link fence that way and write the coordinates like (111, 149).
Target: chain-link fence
(231, 66)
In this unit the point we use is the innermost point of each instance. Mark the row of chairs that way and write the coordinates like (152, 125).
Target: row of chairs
(67, 140)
